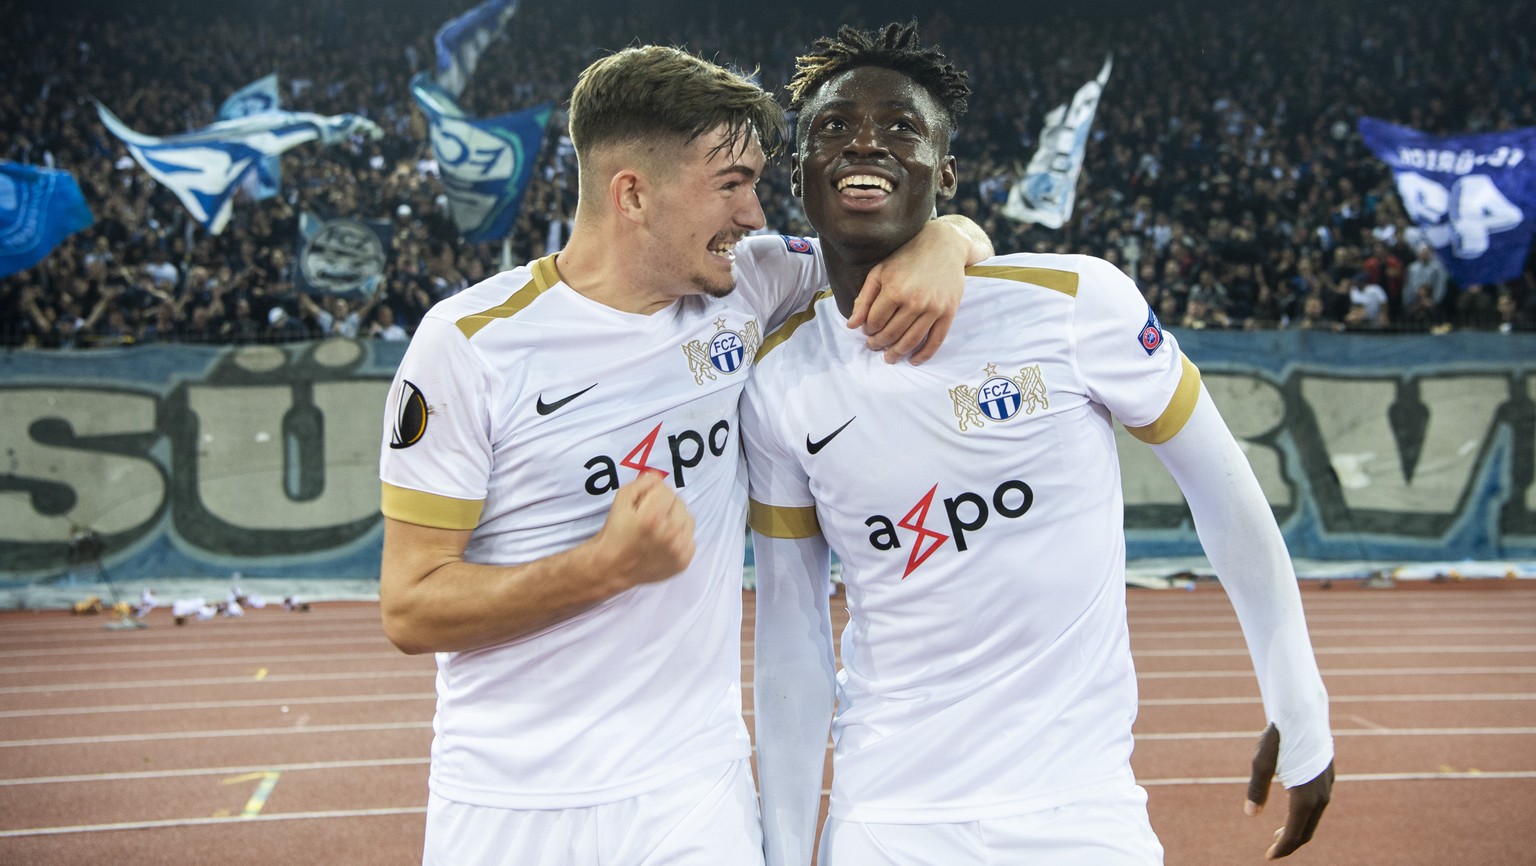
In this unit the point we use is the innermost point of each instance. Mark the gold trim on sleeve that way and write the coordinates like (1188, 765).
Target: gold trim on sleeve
(430, 509)
(777, 521)
(1180, 407)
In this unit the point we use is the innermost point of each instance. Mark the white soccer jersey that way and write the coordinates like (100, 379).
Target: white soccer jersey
(975, 504)
(518, 410)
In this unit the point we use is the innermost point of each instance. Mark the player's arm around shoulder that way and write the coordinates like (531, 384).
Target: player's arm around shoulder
(908, 302)
(432, 600)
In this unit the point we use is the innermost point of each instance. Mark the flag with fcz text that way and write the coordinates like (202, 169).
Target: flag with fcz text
(1474, 196)
(485, 163)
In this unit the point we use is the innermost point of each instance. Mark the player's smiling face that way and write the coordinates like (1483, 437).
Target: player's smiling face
(708, 204)
(872, 158)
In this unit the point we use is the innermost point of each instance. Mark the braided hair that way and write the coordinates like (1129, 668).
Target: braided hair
(895, 47)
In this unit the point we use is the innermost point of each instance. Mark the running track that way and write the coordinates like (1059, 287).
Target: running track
(287, 738)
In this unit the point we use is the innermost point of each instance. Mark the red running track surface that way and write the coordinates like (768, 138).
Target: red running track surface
(302, 738)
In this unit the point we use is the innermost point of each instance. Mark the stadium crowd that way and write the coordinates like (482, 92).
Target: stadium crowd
(1224, 173)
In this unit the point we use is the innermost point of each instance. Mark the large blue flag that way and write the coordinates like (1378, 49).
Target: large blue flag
(259, 97)
(203, 167)
(1047, 191)
(485, 163)
(1473, 195)
(38, 208)
(462, 40)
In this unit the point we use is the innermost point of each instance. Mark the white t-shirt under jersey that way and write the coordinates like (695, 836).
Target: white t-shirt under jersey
(975, 503)
(518, 410)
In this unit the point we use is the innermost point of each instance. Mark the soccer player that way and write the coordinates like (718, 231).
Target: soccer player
(564, 497)
(986, 697)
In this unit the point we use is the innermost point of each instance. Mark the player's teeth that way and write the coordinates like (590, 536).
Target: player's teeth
(864, 180)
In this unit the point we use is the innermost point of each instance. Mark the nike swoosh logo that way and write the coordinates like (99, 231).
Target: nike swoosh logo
(546, 408)
(815, 447)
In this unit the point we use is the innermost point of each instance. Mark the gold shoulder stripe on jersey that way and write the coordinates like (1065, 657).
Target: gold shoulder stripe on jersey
(544, 276)
(776, 521)
(429, 509)
(1046, 278)
(790, 324)
(1180, 407)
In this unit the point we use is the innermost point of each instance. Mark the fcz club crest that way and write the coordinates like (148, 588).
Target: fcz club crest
(726, 352)
(999, 398)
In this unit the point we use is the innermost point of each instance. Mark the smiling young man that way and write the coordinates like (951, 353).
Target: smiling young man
(564, 498)
(987, 694)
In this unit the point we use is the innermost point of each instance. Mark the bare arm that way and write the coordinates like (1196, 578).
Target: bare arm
(432, 600)
(908, 301)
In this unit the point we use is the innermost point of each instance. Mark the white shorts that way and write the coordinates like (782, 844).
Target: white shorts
(706, 819)
(1111, 830)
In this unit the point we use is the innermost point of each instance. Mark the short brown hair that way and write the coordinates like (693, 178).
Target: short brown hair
(649, 92)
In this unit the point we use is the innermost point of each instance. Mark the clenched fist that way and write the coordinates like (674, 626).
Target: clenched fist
(649, 533)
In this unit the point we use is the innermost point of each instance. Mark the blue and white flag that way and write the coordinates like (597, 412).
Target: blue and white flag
(1048, 189)
(203, 167)
(485, 164)
(1473, 195)
(38, 208)
(342, 255)
(259, 97)
(461, 41)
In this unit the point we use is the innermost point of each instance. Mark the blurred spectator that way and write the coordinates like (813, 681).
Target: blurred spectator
(1313, 317)
(1475, 309)
(1426, 271)
(283, 328)
(1511, 317)
(1250, 193)
(384, 326)
(1368, 304)
(1198, 315)
(1424, 313)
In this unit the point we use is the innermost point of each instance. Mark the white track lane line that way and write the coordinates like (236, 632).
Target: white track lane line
(248, 659)
(427, 725)
(216, 734)
(1347, 732)
(220, 705)
(215, 771)
(214, 681)
(419, 810)
(1477, 776)
(1346, 672)
(201, 822)
(190, 647)
(1240, 700)
(1336, 650)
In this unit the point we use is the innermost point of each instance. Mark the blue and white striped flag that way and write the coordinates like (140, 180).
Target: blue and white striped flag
(462, 40)
(1473, 195)
(1048, 189)
(38, 208)
(203, 167)
(259, 97)
(485, 164)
